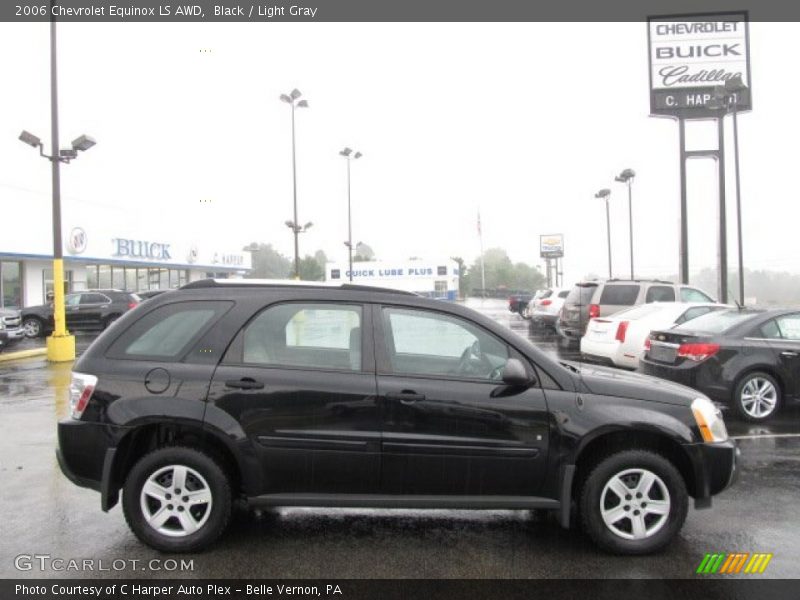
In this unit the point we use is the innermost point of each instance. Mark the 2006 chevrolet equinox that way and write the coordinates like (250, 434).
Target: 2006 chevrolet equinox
(290, 395)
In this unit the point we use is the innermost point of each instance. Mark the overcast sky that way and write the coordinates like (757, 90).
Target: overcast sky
(526, 121)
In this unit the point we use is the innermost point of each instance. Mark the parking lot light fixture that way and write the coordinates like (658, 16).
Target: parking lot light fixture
(605, 194)
(292, 99)
(347, 153)
(30, 139)
(83, 143)
(626, 177)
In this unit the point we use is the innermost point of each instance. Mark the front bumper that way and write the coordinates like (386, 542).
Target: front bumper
(16, 334)
(715, 468)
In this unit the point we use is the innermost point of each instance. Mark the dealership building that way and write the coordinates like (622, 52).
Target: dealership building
(431, 278)
(107, 247)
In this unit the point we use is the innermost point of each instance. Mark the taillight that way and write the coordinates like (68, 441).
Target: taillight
(80, 391)
(697, 352)
(545, 302)
(132, 305)
(647, 345)
(594, 311)
(622, 329)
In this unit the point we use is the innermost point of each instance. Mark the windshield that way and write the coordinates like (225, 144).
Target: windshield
(716, 322)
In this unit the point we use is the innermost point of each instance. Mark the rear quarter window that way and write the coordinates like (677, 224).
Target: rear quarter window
(619, 295)
(167, 332)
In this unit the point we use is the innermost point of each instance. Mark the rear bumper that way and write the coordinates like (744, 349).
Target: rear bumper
(704, 377)
(715, 468)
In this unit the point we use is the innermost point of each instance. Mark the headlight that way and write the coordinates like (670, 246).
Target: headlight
(709, 420)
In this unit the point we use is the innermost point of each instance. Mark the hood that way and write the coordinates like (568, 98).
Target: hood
(605, 381)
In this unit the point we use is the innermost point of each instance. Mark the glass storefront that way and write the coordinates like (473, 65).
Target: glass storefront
(10, 284)
(47, 281)
(134, 279)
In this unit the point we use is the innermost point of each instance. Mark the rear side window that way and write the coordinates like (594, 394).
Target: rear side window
(563, 293)
(660, 293)
(324, 336)
(546, 294)
(167, 332)
(790, 326)
(619, 295)
(580, 294)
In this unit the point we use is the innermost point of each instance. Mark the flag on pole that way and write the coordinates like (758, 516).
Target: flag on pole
(479, 222)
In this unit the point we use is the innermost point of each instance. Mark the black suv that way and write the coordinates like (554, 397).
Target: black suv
(90, 309)
(349, 396)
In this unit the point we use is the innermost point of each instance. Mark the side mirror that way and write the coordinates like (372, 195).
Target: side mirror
(514, 373)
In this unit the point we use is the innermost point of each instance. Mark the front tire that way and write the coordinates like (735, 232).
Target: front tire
(757, 397)
(33, 326)
(177, 499)
(633, 502)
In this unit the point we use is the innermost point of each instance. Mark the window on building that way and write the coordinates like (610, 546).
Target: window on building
(47, 283)
(10, 284)
(440, 288)
(104, 276)
(441, 270)
(336, 274)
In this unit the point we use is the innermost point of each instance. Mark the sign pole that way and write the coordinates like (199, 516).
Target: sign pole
(723, 224)
(684, 243)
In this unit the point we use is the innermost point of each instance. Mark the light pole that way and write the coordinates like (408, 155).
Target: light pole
(605, 194)
(297, 230)
(60, 344)
(727, 97)
(626, 177)
(292, 98)
(348, 155)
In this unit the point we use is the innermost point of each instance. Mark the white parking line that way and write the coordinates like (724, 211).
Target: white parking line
(766, 435)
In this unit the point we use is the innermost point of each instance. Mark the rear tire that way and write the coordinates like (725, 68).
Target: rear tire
(633, 502)
(170, 518)
(757, 397)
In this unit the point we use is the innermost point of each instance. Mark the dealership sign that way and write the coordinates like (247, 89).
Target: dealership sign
(551, 246)
(692, 54)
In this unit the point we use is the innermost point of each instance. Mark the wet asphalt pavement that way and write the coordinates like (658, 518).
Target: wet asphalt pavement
(45, 514)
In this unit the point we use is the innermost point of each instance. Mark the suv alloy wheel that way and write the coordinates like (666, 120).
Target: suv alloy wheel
(177, 499)
(634, 502)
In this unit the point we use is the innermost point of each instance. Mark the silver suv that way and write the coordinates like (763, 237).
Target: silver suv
(589, 299)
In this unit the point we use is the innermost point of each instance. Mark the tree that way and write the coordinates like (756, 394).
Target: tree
(363, 253)
(501, 273)
(268, 263)
(311, 270)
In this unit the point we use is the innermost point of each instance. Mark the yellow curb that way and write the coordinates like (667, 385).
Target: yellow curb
(7, 356)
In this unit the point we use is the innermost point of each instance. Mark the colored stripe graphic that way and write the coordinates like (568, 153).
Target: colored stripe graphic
(733, 563)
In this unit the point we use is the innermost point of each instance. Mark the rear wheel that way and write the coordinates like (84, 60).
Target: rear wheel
(634, 502)
(177, 499)
(757, 397)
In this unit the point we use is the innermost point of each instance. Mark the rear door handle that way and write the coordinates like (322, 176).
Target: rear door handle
(789, 353)
(405, 397)
(245, 383)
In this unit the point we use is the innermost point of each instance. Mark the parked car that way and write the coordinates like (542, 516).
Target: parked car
(350, 396)
(518, 301)
(11, 330)
(748, 359)
(591, 299)
(90, 309)
(619, 340)
(544, 310)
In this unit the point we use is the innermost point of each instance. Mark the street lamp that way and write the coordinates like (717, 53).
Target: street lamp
(293, 99)
(626, 177)
(605, 194)
(348, 155)
(60, 344)
(725, 98)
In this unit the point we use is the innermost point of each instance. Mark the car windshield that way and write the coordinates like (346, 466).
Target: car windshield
(717, 321)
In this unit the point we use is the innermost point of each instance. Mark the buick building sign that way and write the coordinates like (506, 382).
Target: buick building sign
(690, 55)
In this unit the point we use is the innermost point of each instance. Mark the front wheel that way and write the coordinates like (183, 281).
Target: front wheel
(757, 397)
(177, 499)
(33, 326)
(634, 502)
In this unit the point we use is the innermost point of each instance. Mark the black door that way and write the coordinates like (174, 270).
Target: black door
(72, 314)
(92, 309)
(300, 381)
(786, 346)
(450, 426)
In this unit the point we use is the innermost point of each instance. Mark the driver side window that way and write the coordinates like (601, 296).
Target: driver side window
(421, 342)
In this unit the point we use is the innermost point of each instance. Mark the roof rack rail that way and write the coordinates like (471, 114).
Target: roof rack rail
(287, 283)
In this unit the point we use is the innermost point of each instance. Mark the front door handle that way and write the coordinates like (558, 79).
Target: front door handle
(405, 397)
(245, 383)
(789, 353)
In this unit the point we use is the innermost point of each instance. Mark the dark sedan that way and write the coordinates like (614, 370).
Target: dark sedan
(749, 359)
(90, 309)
